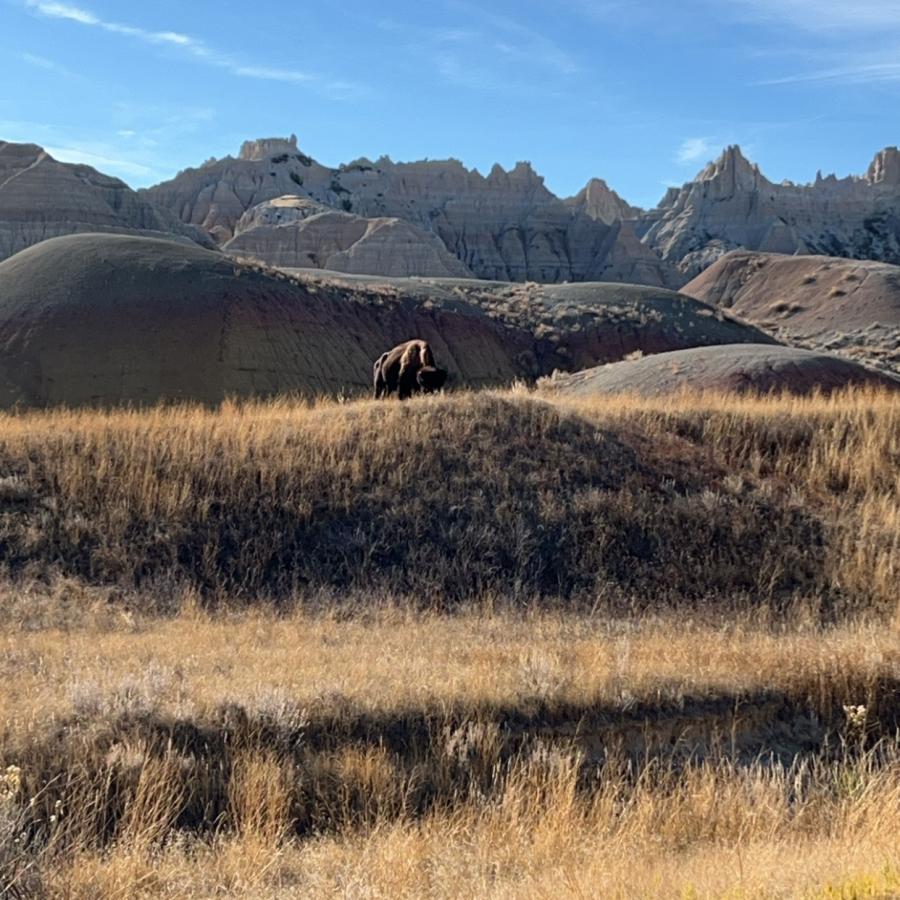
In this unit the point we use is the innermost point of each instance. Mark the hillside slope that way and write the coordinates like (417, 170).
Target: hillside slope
(844, 306)
(570, 326)
(442, 499)
(728, 367)
(41, 198)
(117, 319)
(120, 319)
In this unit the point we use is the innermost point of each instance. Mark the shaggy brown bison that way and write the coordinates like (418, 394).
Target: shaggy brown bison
(407, 369)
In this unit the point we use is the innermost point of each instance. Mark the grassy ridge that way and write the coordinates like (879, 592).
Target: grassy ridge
(449, 499)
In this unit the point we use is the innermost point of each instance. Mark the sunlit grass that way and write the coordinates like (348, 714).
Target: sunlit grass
(318, 650)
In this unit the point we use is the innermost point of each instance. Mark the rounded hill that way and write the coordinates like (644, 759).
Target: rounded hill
(110, 319)
(738, 367)
(106, 319)
(847, 306)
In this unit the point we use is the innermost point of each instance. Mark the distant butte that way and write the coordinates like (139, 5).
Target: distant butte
(436, 218)
(504, 226)
(731, 205)
(42, 198)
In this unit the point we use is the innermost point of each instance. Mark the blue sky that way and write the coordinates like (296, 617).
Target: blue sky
(642, 94)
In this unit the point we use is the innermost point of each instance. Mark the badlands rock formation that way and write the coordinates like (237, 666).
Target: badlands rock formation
(505, 226)
(738, 367)
(597, 200)
(732, 205)
(300, 233)
(41, 198)
(263, 148)
(107, 319)
(844, 306)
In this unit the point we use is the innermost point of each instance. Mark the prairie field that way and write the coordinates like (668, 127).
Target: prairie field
(471, 645)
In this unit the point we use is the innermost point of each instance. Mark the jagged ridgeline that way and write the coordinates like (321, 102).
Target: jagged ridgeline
(274, 205)
(509, 226)
(732, 205)
(42, 198)
(437, 218)
(504, 226)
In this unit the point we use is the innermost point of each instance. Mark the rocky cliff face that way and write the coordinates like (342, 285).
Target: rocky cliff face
(42, 198)
(295, 232)
(505, 225)
(598, 201)
(732, 205)
(263, 148)
(437, 218)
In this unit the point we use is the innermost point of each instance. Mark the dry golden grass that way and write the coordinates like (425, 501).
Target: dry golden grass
(708, 831)
(720, 500)
(840, 453)
(409, 754)
(482, 645)
(391, 662)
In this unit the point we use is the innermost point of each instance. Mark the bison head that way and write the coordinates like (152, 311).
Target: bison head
(431, 379)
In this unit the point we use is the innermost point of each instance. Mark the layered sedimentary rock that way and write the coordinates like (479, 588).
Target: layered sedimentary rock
(597, 200)
(118, 319)
(738, 367)
(503, 226)
(263, 148)
(42, 198)
(844, 306)
(299, 233)
(506, 225)
(732, 205)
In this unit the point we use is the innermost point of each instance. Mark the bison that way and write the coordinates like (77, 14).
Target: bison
(407, 369)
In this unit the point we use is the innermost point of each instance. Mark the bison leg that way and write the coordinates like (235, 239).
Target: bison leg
(407, 384)
(381, 387)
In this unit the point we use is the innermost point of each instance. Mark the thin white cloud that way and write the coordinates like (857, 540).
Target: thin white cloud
(64, 11)
(268, 73)
(99, 161)
(864, 73)
(693, 150)
(523, 43)
(820, 15)
(508, 36)
(85, 17)
(491, 52)
(191, 45)
(41, 62)
(843, 43)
